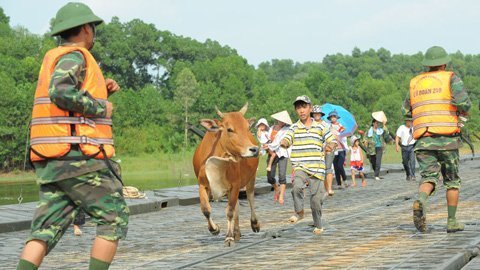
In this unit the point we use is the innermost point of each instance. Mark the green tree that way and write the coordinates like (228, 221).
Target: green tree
(279, 70)
(4, 24)
(15, 106)
(186, 93)
(128, 52)
(156, 70)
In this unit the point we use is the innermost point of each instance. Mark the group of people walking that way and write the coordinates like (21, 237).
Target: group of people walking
(431, 132)
(316, 150)
(372, 144)
(75, 171)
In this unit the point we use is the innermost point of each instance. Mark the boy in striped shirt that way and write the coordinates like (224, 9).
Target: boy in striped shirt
(307, 139)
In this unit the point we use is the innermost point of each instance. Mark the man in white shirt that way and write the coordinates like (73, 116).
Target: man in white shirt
(406, 142)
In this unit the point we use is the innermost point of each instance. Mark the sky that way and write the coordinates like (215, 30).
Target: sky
(300, 30)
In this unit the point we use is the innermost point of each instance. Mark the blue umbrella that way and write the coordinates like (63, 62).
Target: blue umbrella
(346, 119)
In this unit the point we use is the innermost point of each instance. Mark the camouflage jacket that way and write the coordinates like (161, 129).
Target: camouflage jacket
(65, 92)
(461, 100)
(369, 141)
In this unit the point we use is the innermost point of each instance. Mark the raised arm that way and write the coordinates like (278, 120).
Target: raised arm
(65, 87)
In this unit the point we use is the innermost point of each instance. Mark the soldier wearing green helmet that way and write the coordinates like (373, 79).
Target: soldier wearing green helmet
(71, 85)
(73, 15)
(435, 101)
(436, 56)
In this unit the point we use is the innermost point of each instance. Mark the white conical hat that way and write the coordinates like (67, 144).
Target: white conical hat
(379, 116)
(282, 116)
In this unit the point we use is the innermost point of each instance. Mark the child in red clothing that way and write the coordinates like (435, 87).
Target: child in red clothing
(356, 161)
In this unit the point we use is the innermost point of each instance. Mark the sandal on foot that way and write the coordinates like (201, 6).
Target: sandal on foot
(77, 232)
(318, 231)
(295, 218)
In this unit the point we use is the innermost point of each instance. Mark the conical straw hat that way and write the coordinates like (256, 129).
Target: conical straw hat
(379, 116)
(282, 116)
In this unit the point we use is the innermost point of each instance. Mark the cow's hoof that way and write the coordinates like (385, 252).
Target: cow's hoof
(237, 236)
(229, 242)
(255, 225)
(214, 230)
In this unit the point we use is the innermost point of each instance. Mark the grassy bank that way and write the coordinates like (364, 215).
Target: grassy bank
(147, 172)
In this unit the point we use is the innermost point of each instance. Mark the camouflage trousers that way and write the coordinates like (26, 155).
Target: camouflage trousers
(434, 163)
(99, 194)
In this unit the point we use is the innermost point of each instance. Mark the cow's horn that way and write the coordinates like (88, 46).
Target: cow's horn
(218, 112)
(243, 110)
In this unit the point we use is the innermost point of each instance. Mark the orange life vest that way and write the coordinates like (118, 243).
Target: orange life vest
(432, 110)
(51, 135)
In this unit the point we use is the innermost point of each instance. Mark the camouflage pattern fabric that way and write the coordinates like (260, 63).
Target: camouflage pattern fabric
(66, 92)
(53, 170)
(432, 162)
(66, 87)
(99, 194)
(369, 142)
(439, 143)
(461, 100)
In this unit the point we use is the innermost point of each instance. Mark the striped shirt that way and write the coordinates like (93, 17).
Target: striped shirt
(308, 153)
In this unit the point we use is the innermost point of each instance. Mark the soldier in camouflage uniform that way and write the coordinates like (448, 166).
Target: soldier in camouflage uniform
(436, 151)
(72, 183)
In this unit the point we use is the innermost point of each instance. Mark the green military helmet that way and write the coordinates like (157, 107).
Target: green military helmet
(435, 56)
(72, 15)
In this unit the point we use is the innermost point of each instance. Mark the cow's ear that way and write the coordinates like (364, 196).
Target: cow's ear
(251, 121)
(209, 124)
(219, 123)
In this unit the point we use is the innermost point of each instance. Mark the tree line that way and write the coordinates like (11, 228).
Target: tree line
(168, 79)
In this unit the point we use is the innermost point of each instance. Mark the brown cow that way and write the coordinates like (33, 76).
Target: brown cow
(224, 162)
